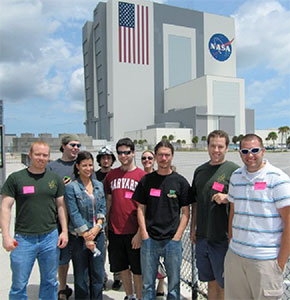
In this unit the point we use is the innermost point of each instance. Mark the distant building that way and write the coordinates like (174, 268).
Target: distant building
(1, 112)
(147, 64)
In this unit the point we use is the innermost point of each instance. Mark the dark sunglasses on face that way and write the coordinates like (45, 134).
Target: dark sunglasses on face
(252, 150)
(73, 145)
(147, 157)
(124, 152)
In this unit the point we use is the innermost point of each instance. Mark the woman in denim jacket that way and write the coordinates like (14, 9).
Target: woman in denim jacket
(86, 206)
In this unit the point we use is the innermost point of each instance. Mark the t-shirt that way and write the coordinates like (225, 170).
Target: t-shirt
(257, 224)
(123, 213)
(35, 194)
(100, 175)
(163, 197)
(212, 218)
(62, 168)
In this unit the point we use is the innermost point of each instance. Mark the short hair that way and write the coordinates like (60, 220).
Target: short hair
(82, 155)
(147, 151)
(166, 144)
(218, 133)
(125, 142)
(40, 143)
(251, 136)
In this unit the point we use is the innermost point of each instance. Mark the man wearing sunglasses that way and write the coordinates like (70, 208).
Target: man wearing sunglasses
(123, 234)
(209, 226)
(70, 147)
(259, 226)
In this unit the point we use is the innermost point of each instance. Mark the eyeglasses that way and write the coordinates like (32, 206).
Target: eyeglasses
(124, 152)
(147, 157)
(252, 150)
(74, 145)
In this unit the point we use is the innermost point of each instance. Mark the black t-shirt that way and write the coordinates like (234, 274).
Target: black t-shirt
(212, 218)
(163, 197)
(100, 175)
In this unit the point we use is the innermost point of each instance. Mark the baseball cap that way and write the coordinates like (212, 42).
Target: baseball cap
(67, 138)
(105, 151)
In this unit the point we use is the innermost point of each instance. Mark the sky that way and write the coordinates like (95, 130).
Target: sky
(41, 62)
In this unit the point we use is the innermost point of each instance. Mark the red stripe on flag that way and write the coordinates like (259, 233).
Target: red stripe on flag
(142, 35)
(124, 43)
(120, 44)
(129, 44)
(134, 55)
(138, 34)
(147, 36)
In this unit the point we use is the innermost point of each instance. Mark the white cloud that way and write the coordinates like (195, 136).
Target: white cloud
(76, 86)
(259, 90)
(263, 35)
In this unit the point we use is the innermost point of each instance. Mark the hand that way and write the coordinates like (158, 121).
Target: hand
(90, 245)
(136, 241)
(62, 240)
(281, 264)
(9, 243)
(220, 198)
(91, 234)
(176, 238)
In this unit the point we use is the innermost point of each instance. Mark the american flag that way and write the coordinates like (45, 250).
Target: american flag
(133, 33)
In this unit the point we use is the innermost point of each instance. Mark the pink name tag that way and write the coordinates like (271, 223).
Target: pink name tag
(260, 185)
(218, 186)
(28, 189)
(155, 192)
(128, 195)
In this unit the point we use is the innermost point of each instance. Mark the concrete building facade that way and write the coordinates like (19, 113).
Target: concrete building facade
(147, 63)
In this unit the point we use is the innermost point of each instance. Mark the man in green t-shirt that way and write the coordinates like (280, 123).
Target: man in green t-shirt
(209, 226)
(39, 199)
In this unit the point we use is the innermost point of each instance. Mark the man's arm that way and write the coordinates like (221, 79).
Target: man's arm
(220, 198)
(141, 221)
(108, 205)
(285, 242)
(193, 223)
(183, 223)
(62, 216)
(231, 216)
(9, 243)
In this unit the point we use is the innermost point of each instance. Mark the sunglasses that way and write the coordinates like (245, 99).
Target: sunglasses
(147, 157)
(124, 152)
(73, 145)
(252, 150)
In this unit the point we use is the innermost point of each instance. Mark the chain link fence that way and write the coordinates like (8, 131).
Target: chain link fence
(189, 276)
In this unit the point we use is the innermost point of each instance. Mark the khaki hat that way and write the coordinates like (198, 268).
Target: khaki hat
(67, 138)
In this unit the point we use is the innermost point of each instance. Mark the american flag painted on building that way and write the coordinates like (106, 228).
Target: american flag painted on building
(133, 33)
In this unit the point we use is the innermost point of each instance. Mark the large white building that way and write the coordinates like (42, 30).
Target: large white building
(148, 65)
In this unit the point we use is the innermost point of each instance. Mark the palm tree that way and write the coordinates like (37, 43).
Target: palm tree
(283, 130)
(171, 137)
(164, 138)
(240, 137)
(235, 139)
(195, 140)
(183, 142)
(273, 136)
(178, 142)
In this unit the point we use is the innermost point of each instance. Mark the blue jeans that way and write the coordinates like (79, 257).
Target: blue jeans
(88, 268)
(151, 250)
(44, 248)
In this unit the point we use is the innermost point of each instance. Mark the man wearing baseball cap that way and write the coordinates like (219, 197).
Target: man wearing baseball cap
(70, 147)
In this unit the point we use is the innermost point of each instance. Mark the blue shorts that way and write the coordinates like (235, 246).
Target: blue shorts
(210, 258)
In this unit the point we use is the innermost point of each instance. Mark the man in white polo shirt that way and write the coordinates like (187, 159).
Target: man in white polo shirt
(259, 226)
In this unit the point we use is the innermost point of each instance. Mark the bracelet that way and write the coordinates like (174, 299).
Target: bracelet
(99, 225)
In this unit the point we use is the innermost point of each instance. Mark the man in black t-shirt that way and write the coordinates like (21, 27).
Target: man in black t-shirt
(162, 194)
(209, 226)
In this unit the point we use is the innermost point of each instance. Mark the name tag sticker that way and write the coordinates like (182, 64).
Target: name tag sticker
(155, 192)
(218, 186)
(128, 195)
(260, 185)
(29, 189)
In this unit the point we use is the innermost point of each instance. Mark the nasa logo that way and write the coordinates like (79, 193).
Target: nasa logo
(220, 47)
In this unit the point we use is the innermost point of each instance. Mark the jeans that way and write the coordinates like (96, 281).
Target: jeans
(42, 247)
(88, 270)
(151, 250)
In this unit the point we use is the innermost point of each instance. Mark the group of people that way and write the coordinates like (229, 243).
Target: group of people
(240, 221)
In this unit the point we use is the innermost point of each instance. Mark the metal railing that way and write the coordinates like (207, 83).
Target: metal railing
(189, 275)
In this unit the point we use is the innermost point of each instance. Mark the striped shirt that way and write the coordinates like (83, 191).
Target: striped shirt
(257, 226)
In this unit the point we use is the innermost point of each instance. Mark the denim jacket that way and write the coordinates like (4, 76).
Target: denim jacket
(80, 207)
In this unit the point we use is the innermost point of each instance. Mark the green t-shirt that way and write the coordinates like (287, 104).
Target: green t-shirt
(212, 218)
(35, 196)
